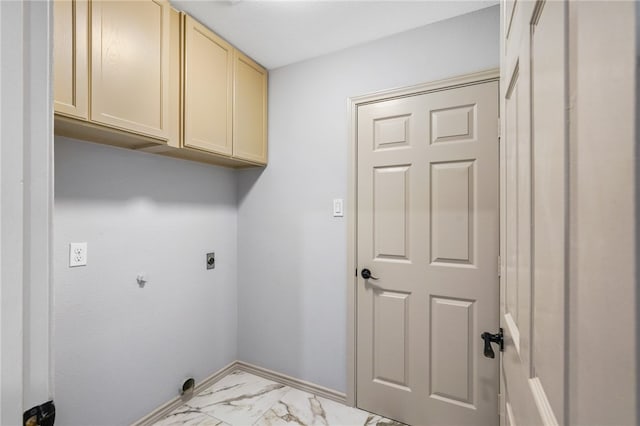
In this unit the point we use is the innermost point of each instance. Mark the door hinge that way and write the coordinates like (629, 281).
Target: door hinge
(499, 129)
(499, 267)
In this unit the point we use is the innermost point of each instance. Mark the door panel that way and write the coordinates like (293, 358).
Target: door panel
(548, 127)
(71, 65)
(427, 201)
(130, 65)
(208, 89)
(390, 212)
(452, 341)
(510, 120)
(452, 212)
(249, 110)
(391, 340)
(391, 132)
(453, 124)
(533, 205)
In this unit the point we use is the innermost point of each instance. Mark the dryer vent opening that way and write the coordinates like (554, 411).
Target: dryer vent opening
(187, 386)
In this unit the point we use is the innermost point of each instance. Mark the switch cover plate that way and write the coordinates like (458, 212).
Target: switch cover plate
(338, 208)
(77, 254)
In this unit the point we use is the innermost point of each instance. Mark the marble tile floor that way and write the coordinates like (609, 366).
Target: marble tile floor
(243, 399)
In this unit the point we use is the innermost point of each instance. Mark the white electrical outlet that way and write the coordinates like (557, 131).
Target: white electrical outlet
(77, 254)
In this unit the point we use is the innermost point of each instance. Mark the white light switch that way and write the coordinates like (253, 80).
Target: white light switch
(77, 254)
(338, 207)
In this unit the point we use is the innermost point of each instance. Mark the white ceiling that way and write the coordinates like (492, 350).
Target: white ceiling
(277, 33)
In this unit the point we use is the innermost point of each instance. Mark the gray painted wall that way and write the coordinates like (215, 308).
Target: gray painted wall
(277, 297)
(291, 251)
(121, 350)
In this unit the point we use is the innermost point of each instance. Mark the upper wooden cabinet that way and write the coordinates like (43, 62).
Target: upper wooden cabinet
(208, 89)
(223, 95)
(130, 65)
(249, 110)
(71, 66)
(141, 75)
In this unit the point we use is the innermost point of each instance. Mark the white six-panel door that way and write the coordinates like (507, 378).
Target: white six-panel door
(427, 228)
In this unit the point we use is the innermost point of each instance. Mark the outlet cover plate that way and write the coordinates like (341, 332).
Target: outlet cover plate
(77, 254)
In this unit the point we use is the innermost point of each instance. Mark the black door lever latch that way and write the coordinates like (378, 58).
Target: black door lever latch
(492, 338)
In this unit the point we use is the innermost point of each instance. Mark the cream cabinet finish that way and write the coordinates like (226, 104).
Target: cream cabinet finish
(71, 67)
(142, 75)
(208, 85)
(249, 110)
(175, 78)
(130, 66)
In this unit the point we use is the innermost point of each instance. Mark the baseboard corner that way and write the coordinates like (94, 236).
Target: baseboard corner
(293, 382)
(160, 412)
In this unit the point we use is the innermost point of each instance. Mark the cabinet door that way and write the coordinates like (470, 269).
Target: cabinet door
(208, 87)
(70, 64)
(175, 79)
(249, 110)
(130, 65)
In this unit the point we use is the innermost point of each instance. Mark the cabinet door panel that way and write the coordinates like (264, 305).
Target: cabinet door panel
(249, 110)
(130, 65)
(70, 65)
(175, 79)
(208, 90)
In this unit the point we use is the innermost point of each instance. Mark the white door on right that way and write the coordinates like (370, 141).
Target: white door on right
(533, 210)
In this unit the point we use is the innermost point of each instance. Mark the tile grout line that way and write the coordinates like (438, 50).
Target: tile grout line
(208, 415)
(286, 391)
(289, 389)
(260, 413)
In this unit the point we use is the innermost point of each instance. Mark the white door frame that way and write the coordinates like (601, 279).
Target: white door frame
(352, 280)
(26, 206)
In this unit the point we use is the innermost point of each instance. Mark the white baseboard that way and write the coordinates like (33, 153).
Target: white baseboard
(160, 412)
(292, 382)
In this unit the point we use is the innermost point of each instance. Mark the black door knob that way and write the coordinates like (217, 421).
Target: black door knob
(366, 274)
(492, 338)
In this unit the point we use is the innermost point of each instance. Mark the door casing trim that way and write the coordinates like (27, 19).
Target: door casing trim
(353, 103)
